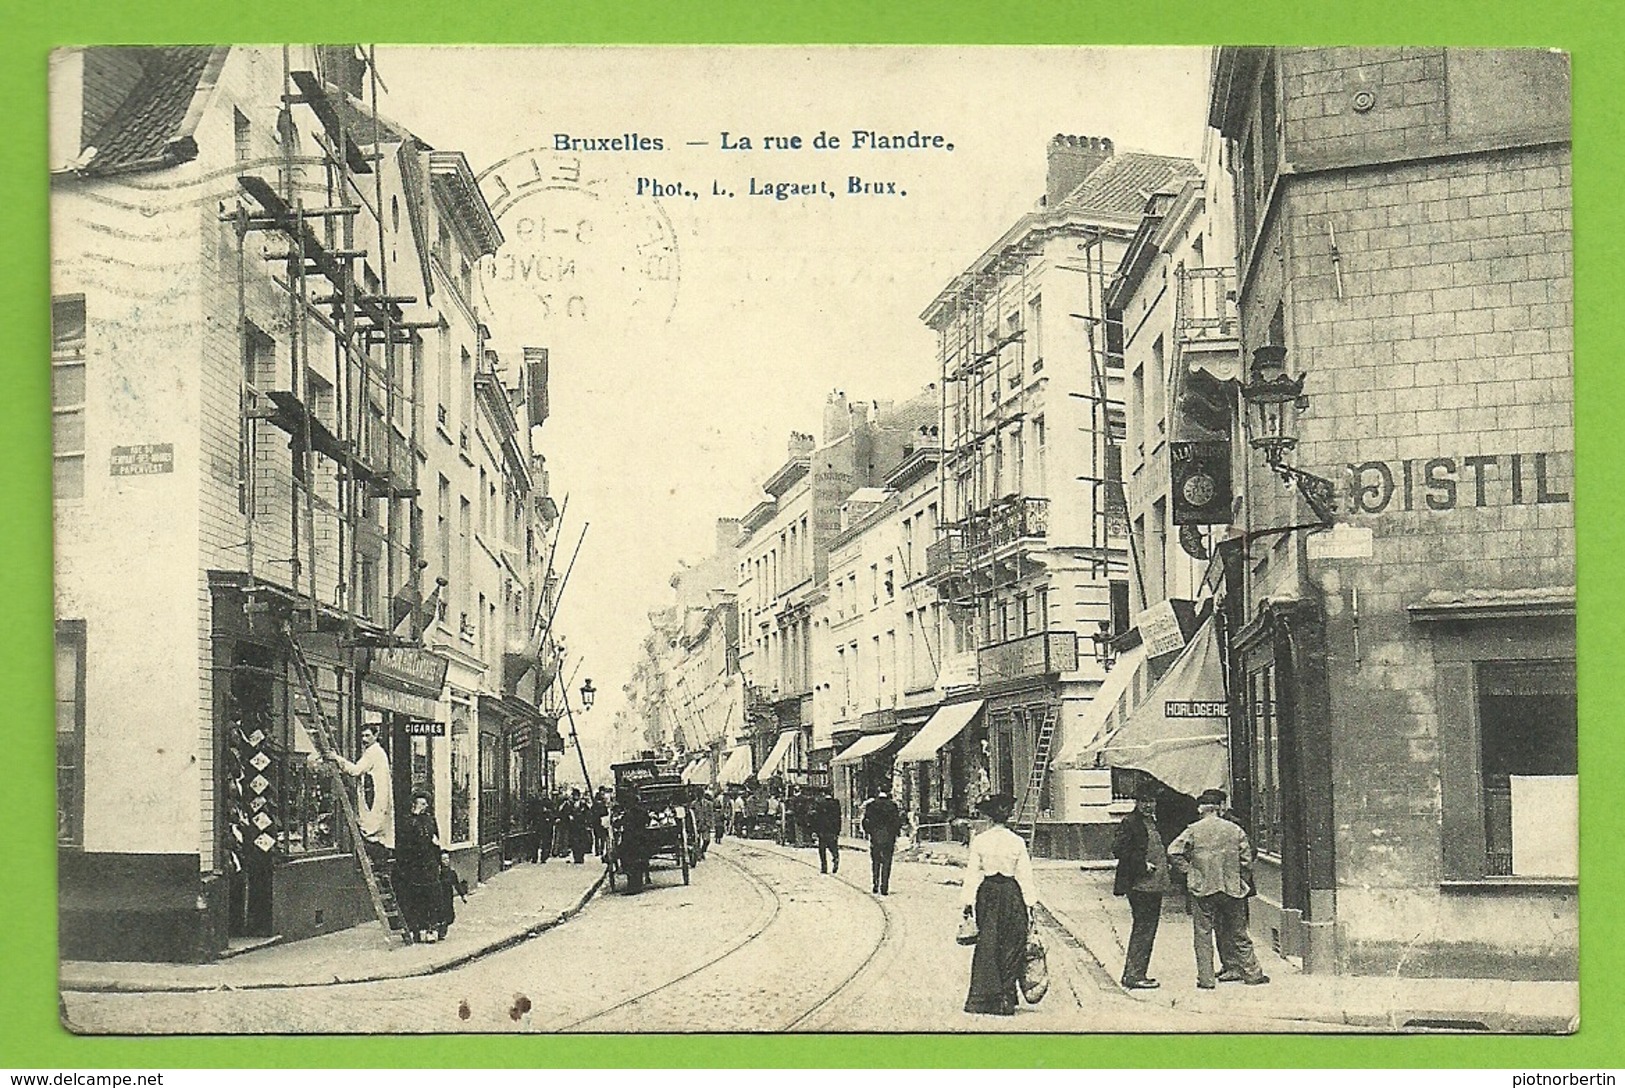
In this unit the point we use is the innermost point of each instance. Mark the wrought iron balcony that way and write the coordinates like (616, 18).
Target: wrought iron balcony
(1044, 654)
(947, 557)
(1016, 517)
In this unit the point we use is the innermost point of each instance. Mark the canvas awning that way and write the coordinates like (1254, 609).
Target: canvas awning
(1111, 705)
(1179, 735)
(946, 724)
(864, 746)
(781, 748)
(698, 772)
(737, 768)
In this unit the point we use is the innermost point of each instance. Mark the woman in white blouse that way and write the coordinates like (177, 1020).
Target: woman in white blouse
(1000, 890)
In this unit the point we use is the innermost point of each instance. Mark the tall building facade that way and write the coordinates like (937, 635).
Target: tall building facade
(1032, 552)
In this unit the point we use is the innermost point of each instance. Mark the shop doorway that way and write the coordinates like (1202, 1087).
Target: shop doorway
(253, 758)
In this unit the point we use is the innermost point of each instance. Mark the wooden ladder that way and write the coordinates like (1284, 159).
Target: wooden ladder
(379, 886)
(1025, 823)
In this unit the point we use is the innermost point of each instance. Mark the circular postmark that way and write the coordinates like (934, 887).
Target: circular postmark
(578, 252)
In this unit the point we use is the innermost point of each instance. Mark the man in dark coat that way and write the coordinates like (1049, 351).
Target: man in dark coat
(825, 820)
(577, 818)
(881, 822)
(1142, 876)
(543, 814)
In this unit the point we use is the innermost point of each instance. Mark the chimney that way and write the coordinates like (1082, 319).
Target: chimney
(727, 534)
(1071, 159)
(837, 416)
(801, 445)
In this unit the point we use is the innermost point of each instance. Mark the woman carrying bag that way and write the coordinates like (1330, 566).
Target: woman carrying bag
(1000, 894)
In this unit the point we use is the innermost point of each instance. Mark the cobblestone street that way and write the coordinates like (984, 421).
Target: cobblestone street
(760, 941)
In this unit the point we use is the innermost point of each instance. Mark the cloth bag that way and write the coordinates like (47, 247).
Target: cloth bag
(1035, 970)
(967, 929)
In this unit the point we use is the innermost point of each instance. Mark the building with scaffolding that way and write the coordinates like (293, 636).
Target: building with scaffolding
(266, 352)
(1033, 551)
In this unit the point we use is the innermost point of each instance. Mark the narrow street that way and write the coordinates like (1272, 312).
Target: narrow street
(760, 941)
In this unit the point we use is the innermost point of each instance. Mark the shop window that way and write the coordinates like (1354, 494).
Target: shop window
(1263, 718)
(1528, 753)
(70, 733)
(68, 396)
(462, 774)
(310, 807)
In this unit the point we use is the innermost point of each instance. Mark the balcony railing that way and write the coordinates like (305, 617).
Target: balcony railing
(1044, 654)
(1014, 518)
(1207, 308)
(946, 556)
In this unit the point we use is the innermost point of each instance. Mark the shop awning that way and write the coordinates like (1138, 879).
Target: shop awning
(1179, 735)
(738, 766)
(1112, 703)
(864, 746)
(781, 748)
(698, 772)
(946, 724)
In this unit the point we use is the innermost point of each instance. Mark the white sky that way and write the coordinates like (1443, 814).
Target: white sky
(671, 403)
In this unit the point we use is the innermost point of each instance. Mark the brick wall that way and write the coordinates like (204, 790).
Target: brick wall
(1440, 332)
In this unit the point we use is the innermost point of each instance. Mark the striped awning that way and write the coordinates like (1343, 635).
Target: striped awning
(864, 746)
(781, 749)
(738, 766)
(1106, 712)
(946, 724)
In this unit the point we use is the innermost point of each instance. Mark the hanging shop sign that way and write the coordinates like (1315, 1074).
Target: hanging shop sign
(1200, 475)
(1439, 484)
(399, 702)
(408, 668)
(1159, 629)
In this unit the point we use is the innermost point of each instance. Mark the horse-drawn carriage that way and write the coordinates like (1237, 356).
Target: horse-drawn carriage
(651, 820)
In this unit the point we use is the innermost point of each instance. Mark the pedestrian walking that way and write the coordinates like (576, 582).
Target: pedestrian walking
(578, 826)
(1216, 857)
(543, 815)
(376, 816)
(1142, 876)
(737, 809)
(882, 821)
(417, 869)
(719, 812)
(1000, 893)
(825, 819)
(703, 812)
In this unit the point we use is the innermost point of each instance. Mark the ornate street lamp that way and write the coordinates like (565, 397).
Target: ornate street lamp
(1105, 653)
(1269, 393)
(588, 694)
(1273, 400)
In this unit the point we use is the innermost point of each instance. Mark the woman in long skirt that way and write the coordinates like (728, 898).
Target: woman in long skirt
(1000, 890)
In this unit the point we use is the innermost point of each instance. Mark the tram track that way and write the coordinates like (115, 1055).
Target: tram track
(774, 902)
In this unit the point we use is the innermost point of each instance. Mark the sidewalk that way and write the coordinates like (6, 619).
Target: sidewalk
(1078, 897)
(519, 903)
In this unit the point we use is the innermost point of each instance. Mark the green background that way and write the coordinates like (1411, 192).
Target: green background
(1595, 33)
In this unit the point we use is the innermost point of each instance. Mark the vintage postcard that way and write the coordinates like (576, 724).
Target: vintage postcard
(777, 539)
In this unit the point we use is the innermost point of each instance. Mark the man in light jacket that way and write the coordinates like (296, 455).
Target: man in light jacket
(376, 812)
(1216, 858)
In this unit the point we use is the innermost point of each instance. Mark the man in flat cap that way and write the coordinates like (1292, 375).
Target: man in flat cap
(1142, 875)
(1217, 858)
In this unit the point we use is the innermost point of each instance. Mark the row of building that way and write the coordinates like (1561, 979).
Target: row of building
(1250, 473)
(287, 445)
